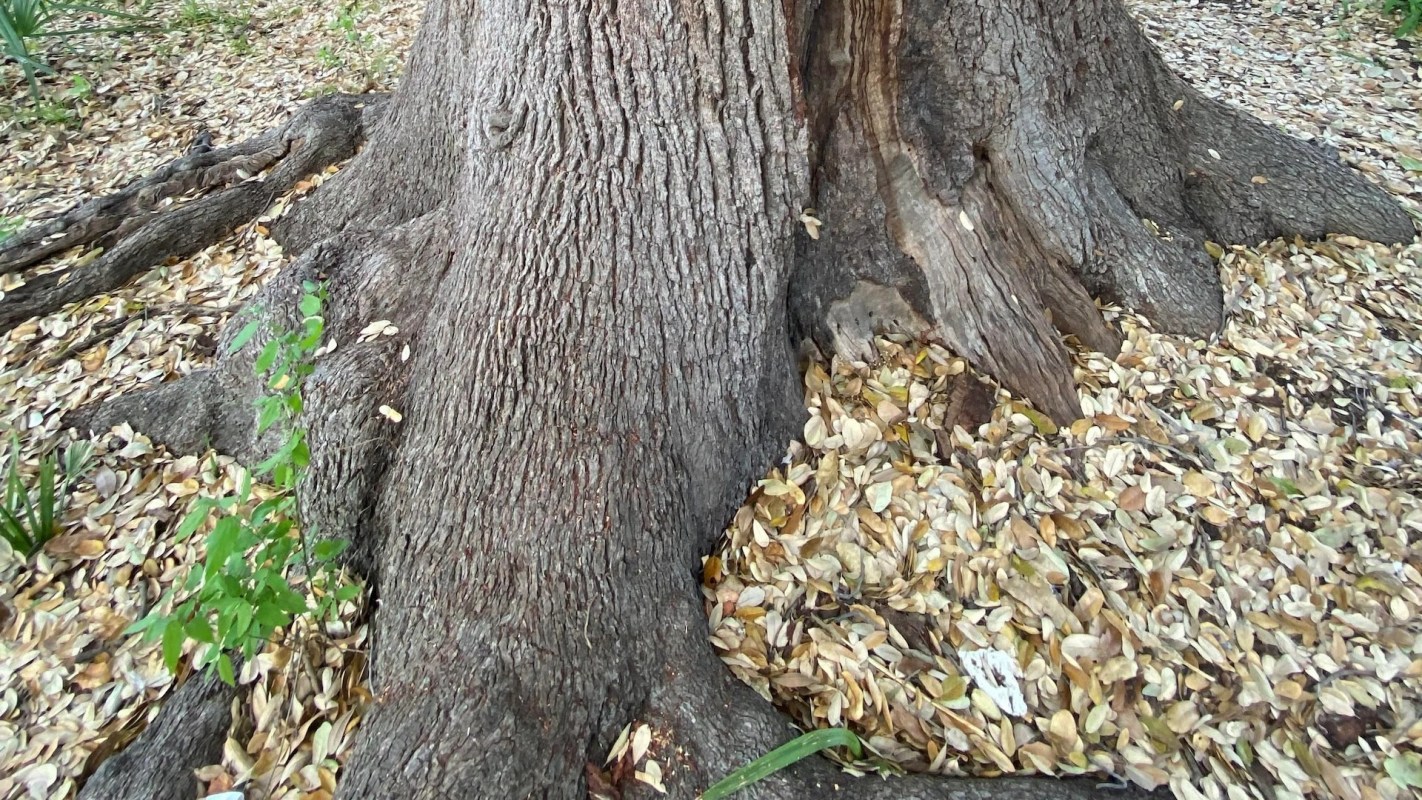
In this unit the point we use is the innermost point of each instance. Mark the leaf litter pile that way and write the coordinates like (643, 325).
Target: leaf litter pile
(1210, 581)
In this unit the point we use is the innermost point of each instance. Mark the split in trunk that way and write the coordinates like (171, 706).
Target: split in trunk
(586, 221)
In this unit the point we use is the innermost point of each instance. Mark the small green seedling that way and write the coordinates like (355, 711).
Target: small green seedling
(241, 595)
(29, 518)
(23, 22)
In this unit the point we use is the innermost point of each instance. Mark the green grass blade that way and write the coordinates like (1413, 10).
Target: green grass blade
(14, 532)
(44, 508)
(14, 489)
(782, 757)
(78, 457)
(18, 498)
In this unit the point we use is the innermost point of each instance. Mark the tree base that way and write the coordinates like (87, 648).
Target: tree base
(588, 314)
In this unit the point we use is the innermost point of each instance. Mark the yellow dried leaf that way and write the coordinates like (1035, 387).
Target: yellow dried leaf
(1061, 730)
(641, 740)
(1215, 515)
(1198, 485)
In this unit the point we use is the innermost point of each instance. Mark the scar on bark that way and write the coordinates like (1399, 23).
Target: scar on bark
(135, 229)
(985, 214)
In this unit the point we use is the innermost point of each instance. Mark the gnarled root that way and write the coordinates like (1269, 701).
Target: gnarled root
(136, 235)
(368, 277)
(188, 733)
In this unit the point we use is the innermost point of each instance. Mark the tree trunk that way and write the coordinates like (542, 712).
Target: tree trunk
(590, 222)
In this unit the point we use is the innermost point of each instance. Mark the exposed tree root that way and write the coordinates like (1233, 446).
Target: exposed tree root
(1246, 182)
(213, 407)
(367, 278)
(187, 416)
(188, 733)
(138, 236)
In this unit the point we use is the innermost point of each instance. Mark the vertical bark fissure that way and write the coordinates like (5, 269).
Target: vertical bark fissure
(601, 371)
(939, 206)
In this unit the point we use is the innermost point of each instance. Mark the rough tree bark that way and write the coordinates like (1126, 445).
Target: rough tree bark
(589, 222)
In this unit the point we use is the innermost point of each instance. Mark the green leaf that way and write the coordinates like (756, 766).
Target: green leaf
(198, 630)
(273, 617)
(310, 305)
(289, 601)
(269, 507)
(193, 580)
(781, 757)
(1405, 770)
(224, 670)
(271, 412)
(1409, 163)
(268, 356)
(280, 528)
(16, 533)
(146, 623)
(226, 614)
(41, 512)
(329, 549)
(348, 592)
(172, 646)
(300, 455)
(280, 552)
(195, 518)
(221, 544)
(1286, 487)
(242, 625)
(229, 586)
(310, 341)
(1245, 751)
(243, 336)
